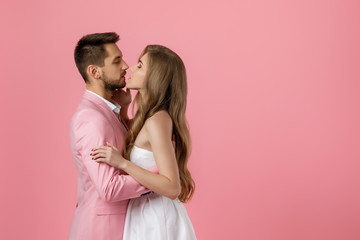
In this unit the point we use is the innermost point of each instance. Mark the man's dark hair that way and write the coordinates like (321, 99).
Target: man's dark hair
(90, 50)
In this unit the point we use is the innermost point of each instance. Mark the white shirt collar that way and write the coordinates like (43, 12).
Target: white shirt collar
(114, 106)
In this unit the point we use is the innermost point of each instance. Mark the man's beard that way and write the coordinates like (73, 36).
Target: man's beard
(111, 86)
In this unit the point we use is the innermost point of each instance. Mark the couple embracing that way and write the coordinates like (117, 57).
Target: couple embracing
(132, 173)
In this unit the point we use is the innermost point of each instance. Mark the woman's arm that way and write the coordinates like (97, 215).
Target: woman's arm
(158, 130)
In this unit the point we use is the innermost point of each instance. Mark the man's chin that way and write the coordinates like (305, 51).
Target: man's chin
(117, 86)
(121, 85)
(113, 88)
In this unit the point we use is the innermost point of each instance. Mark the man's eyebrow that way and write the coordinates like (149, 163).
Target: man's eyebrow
(117, 57)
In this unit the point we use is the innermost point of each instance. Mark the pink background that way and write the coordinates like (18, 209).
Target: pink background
(273, 106)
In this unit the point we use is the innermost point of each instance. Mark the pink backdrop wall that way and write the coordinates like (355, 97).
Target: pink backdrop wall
(273, 108)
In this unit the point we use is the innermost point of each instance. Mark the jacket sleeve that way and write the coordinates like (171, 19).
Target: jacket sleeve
(109, 182)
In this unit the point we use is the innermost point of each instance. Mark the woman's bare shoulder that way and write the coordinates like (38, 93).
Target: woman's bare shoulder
(160, 120)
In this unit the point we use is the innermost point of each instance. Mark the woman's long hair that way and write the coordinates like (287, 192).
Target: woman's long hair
(166, 89)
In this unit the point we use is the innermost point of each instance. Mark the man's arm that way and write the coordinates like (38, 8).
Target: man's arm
(109, 183)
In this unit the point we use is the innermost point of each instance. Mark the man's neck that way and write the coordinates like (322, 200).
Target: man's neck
(100, 91)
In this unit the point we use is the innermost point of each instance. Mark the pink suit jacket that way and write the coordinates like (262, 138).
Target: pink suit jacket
(103, 191)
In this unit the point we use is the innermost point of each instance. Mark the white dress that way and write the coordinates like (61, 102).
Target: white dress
(153, 216)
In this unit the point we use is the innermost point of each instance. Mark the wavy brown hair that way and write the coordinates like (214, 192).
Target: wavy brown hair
(166, 89)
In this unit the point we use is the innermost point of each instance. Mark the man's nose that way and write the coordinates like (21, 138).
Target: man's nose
(125, 66)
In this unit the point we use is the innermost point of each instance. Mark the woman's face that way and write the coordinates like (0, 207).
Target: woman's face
(138, 73)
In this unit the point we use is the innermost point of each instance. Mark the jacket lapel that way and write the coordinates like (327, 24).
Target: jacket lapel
(105, 109)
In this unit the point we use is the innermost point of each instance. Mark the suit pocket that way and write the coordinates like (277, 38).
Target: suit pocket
(108, 227)
(111, 209)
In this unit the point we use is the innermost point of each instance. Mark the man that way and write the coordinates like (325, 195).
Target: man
(103, 191)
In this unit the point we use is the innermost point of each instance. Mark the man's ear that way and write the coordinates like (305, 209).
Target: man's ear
(94, 71)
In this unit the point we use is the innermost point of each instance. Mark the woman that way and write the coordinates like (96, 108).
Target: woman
(160, 79)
